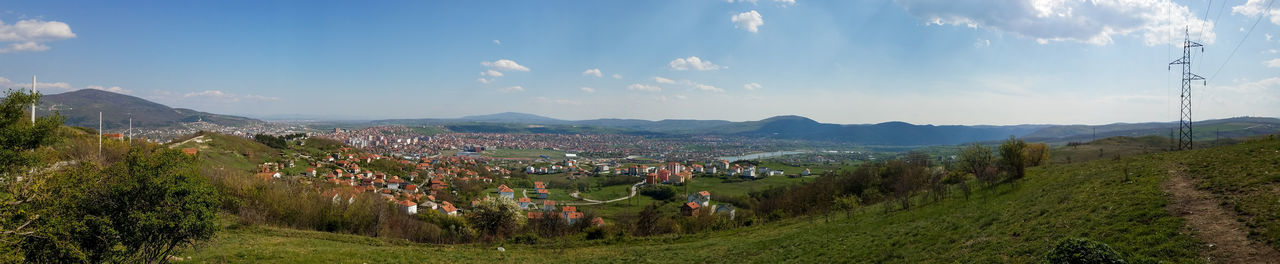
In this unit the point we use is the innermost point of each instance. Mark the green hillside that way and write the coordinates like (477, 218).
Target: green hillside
(1008, 224)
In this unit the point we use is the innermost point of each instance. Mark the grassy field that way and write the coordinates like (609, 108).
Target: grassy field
(1007, 224)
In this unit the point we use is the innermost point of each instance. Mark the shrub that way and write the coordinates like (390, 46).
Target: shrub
(1081, 250)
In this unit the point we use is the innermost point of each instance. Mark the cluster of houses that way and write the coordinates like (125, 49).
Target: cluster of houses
(569, 213)
(700, 203)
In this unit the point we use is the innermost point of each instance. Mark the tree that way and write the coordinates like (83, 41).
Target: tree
(19, 138)
(498, 218)
(1013, 158)
(1037, 154)
(848, 203)
(977, 159)
(135, 211)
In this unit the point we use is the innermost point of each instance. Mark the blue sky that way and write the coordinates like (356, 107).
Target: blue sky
(925, 62)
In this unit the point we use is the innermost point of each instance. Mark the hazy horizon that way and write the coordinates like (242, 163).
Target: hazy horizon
(845, 62)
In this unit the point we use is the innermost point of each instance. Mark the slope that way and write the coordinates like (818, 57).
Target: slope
(81, 109)
(1008, 224)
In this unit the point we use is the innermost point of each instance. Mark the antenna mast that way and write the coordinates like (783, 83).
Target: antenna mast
(1185, 136)
(33, 104)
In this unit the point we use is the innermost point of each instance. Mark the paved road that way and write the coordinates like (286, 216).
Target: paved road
(595, 202)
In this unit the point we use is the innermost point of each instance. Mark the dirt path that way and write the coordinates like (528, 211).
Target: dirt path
(1228, 240)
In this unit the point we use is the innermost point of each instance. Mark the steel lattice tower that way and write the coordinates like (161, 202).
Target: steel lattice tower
(1185, 136)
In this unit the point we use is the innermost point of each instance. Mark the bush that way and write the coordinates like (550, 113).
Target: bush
(659, 192)
(1080, 250)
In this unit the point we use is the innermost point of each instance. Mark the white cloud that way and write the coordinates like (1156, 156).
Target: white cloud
(114, 89)
(644, 88)
(663, 80)
(44, 87)
(743, 1)
(592, 72)
(681, 97)
(587, 89)
(617, 76)
(752, 86)
(491, 73)
(785, 3)
(225, 96)
(498, 42)
(505, 65)
(1272, 51)
(1094, 22)
(512, 89)
(29, 35)
(24, 46)
(750, 21)
(692, 62)
(708, 88)
(484, 81)
(1269, 36)
(982, 43)
(1274, 63)
(1256, 7)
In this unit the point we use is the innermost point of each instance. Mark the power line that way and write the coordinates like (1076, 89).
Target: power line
(1246, 37)
(1204, 22)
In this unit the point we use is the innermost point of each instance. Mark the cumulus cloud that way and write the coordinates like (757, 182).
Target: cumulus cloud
(114, 89)
(982, 43)
(587, 89)
(512, 89)
(663, 80)
(692, 63)
(617, 76)
(1094, 22)
(498, 42)
(644, 88)
(484, 81)
(708, 88)
(30, 35)
(749, 21)
(44, 86)
(592, 72)
(752, 86)
(785, 3)
(491, 73)
(1257, 7)
(505, 65)
(1274, 63)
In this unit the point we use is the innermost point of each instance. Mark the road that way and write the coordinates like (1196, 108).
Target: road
(595, 202)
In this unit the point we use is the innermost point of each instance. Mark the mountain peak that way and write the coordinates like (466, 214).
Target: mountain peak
(789, 118)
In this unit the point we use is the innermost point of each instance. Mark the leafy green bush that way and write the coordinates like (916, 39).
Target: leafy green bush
(659, 192)
(1081, 250)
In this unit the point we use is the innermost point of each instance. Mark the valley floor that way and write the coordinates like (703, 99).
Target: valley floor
(1004, 224)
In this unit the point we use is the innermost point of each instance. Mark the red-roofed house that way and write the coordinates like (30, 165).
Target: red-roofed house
(690, 208)
(506, 192)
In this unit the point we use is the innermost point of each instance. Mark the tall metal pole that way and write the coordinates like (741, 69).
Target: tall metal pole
(1185, 136)
(33, 104)
(99, 135)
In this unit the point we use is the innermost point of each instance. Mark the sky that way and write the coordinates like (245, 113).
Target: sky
(961, 62)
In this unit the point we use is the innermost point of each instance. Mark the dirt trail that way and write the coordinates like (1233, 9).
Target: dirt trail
(1228, 240)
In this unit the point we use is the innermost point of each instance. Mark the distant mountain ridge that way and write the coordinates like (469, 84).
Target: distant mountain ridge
(81, 108)
(888, 133)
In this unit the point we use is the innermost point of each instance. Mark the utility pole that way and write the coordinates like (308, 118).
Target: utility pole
(99, 135)
(1185, 137)
(33, 104)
